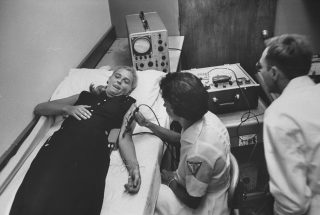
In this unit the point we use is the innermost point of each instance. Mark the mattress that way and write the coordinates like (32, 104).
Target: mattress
(149, 148)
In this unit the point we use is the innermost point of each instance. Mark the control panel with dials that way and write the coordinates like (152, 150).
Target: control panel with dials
(148, 41)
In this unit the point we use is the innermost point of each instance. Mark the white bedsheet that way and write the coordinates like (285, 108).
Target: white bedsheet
(148, 148)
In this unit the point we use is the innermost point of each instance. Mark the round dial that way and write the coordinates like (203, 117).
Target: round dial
(141, 45)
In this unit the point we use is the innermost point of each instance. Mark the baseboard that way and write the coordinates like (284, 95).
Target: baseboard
(4, 158)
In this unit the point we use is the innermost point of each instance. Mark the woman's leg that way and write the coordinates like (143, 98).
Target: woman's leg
(63, 179)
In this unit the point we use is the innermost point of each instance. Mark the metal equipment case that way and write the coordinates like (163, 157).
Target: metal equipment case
(148, 41)
(229, 86)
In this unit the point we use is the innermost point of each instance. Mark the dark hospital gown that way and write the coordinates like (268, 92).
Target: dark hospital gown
(68, 174)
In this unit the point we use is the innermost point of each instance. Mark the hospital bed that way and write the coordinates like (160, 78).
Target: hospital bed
(149, 148)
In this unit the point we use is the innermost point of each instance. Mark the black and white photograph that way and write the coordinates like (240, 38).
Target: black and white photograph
(159, 107)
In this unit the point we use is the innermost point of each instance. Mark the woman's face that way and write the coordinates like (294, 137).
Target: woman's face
(120, 83)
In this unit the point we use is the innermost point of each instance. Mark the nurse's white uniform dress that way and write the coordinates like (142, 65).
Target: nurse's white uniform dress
(203, 169)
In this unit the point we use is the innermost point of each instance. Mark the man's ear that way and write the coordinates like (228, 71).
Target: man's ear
(275, 73)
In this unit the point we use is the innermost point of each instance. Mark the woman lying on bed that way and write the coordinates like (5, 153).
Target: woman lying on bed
(68, 174)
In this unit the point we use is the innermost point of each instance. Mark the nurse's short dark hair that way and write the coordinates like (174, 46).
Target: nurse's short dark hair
(186, 95)
(291, 53)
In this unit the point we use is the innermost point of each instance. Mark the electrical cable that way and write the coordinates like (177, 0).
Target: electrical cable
(245, 116)
(151, 133)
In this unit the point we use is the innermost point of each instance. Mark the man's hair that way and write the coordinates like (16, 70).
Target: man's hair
(291, 53)
(186, 95)
(101, 89)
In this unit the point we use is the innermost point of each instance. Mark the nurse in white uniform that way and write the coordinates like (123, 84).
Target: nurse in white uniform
(200, 184)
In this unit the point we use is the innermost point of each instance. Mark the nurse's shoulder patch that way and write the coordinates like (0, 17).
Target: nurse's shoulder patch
(199, 168)
(194, 166)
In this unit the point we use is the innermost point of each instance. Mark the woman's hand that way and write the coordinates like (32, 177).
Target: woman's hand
(141, 120)
(79, 112)
(134, 180)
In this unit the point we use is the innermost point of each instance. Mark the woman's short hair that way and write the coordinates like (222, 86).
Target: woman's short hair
(100, 89)
(186, 95)
(291, 53)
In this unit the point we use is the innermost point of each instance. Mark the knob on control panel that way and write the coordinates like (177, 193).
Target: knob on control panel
(160, 48)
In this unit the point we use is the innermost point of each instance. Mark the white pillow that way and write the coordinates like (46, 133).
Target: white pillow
(148, 89)
(77, 80)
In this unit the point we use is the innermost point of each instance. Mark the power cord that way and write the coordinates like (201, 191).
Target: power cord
(245, 116)
(151, 133)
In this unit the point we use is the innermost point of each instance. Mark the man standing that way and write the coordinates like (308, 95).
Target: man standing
(292, 125)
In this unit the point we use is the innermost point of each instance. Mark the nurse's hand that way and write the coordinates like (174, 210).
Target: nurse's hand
(141, 120)
(79, 111)
(167, 176)
(134, 180)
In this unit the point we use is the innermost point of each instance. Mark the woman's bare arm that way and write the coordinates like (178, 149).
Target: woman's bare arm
(63, 106)
(128, 153)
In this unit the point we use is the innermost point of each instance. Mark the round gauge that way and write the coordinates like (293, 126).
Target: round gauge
(141, 45)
